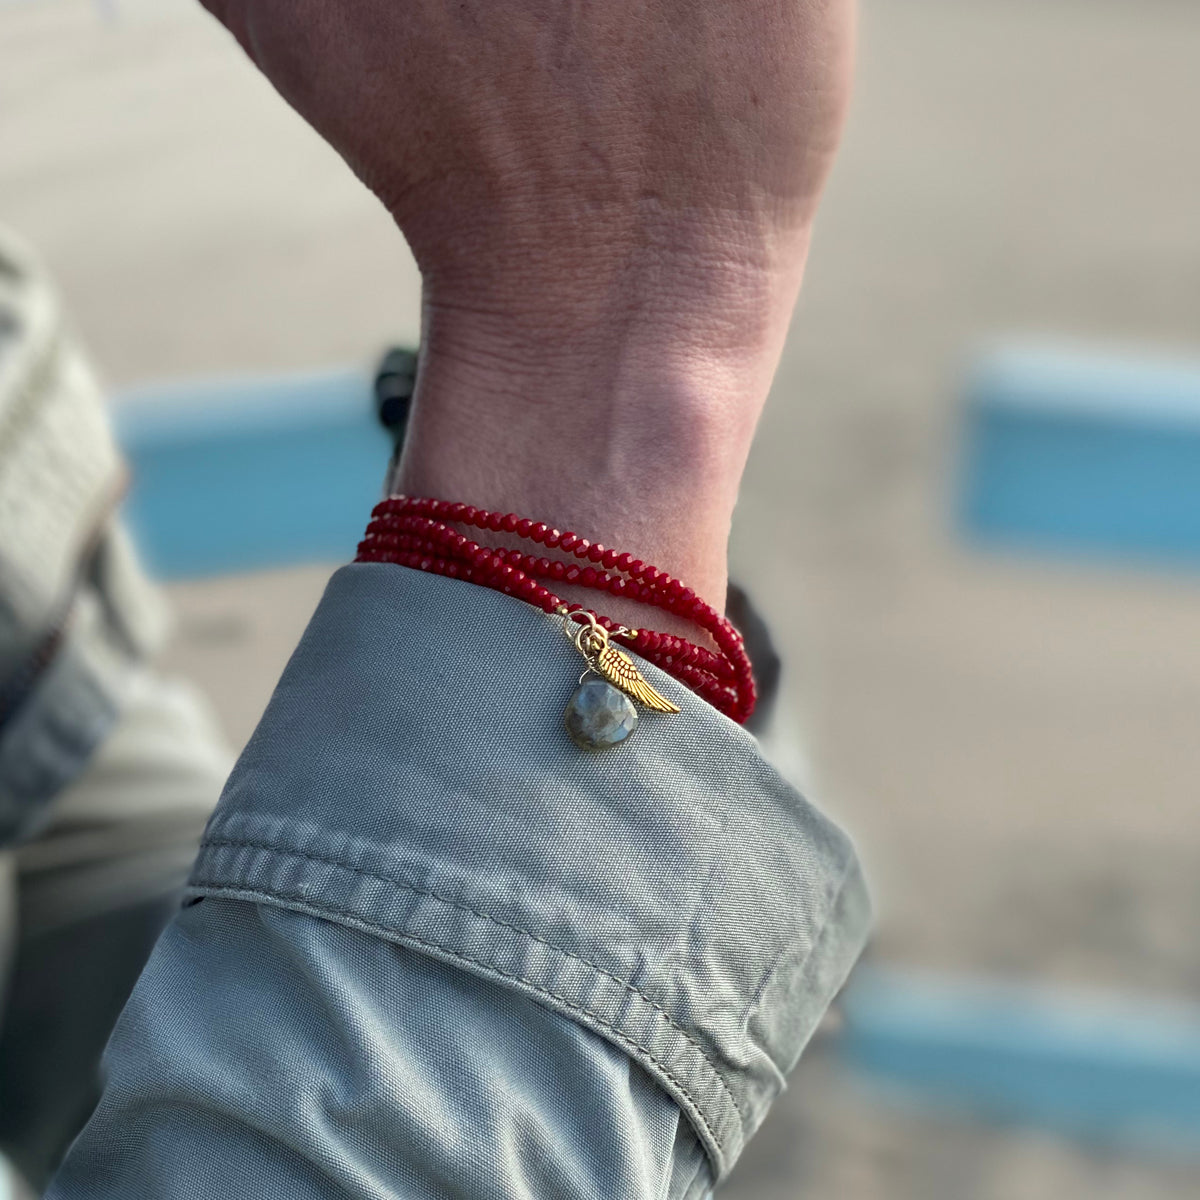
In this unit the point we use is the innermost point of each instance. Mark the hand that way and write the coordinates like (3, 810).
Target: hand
(610, 204)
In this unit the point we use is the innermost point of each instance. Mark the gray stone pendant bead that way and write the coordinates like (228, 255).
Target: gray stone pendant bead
(598, 715)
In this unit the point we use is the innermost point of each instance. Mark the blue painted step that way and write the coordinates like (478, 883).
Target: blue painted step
(1108, 1068)
(1082, 454)
(238, 474)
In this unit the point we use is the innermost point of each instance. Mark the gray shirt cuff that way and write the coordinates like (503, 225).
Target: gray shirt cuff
(412, 777)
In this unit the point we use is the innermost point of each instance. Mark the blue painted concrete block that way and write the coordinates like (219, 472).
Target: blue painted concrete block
(238, 474)
(1123, 1069)
(1083, 455)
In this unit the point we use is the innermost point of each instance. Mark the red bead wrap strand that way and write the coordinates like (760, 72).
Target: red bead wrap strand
(414, 532)
(488, 567)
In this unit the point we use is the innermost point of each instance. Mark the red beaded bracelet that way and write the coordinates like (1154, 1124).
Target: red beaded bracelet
(418, 532)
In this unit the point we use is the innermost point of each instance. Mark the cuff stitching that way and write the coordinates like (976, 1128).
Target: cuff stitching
(237, 843)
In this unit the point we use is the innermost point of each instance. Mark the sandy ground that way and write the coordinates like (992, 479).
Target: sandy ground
(1014, 743)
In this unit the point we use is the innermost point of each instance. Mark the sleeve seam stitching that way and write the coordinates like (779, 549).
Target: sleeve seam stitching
(233, 843)
(616, 1031)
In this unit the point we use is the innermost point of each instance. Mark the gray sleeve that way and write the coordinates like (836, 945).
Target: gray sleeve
(267, 1053)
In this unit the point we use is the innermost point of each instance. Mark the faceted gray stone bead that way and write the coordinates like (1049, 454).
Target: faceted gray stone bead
(598, 715)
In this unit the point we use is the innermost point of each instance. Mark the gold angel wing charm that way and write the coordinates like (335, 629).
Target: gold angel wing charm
(621, 671)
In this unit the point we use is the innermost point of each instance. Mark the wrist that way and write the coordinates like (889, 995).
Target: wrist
(632, 440)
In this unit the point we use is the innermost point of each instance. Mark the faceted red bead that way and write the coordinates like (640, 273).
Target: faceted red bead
(588, 577)
(553, 537)
(508, 522)
(624, 562)
(524, 525)
(568, 541)
(558, 570)
(595, 552)
(539, 531)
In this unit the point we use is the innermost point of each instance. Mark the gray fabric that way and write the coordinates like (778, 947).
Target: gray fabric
(412, 777)
(92, 892)
(56, 724)
(266, 1054)
(77, 616)
(106, 772)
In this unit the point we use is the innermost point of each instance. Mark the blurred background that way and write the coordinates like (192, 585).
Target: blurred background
(1011, 736)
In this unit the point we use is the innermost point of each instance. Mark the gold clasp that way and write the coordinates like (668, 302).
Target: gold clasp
(587, 635)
